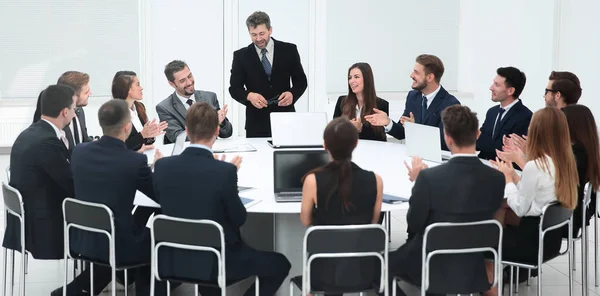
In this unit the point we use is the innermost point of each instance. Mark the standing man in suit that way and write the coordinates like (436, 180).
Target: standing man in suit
(424, 104)
(106, 172)
(40, 170)
(261, 73)
(173, 108)
(466, 190)
(76, 132)
(217, 182)
(509, 117)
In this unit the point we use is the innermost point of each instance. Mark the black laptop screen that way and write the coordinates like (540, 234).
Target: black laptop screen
(290, 166)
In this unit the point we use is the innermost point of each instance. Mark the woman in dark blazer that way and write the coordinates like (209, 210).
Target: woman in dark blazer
(360, 101)
(126, 86)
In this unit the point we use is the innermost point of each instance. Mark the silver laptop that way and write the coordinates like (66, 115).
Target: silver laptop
(289, 166)
(423, 141)
(297, 129)
(179, 144)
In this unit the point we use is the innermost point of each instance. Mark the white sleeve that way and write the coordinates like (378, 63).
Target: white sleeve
(388, 127)
(520, 199)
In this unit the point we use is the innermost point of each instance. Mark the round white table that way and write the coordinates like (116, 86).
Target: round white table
(276, 226)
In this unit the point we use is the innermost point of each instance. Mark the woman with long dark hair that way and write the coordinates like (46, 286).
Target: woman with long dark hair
(341, 193)
(126, 86)
(360, 101)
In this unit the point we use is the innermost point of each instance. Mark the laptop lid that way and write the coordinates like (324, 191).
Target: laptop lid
(423, 141)
(298, 129)
(179, 144)
(289, 166)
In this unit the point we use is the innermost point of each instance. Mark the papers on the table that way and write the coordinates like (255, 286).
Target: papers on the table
(225, 147)
(242, 188)
(392, 199)
(144, 201)
(248, 202)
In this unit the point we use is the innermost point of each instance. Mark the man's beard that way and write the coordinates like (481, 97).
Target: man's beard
(420, 86)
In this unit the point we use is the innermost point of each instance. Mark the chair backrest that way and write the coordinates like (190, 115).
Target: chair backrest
(554, 216)
(89, 216)
(7, 173)
(188, 234)
(13, 201)
(587, 194)
(461, 238)
(347, 241)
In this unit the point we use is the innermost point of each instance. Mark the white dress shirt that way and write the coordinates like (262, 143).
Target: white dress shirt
(201, 147)
(184, 100)
(135, 119)
(534, 191)
(463, 155)
(60, 134)
(270, 49)
(429, 97)
(504, 114)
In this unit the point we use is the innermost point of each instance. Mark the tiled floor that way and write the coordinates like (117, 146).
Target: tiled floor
(45, 276)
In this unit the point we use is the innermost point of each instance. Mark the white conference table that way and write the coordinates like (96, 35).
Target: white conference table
(273, 226)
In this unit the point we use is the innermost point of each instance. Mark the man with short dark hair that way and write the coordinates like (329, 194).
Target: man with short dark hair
(260, 79)
(509, 117)
(220, 202)
(563, 89)
(40, 170)
(173, 109)
(466, 190)
(76, 132)
(106, 172)
(424, 104)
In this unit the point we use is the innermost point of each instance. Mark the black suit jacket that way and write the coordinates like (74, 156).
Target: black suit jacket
(211, 194)
(106, 172)
(433, 116)
(367, 132)
(135, 139)
(248, 75)
(40, 170)
(461, 190)
(80, 118)
(516, 120)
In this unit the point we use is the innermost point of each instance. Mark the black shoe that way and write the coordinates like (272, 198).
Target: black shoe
(71, 291)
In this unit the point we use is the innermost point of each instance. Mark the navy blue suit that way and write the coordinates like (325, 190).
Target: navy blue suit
(106, 172)
(194, 185)
(516, 121)
(433, 115)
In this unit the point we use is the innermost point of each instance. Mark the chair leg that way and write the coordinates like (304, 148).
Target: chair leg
(257, 286)
(394, 287)
(12, 277)
(23, 269)
(510, 285)
(584, 259)
(574, 254)
(91, 279)
(126, 285)
(114, 281)
(517, 281)
(539, 287)
(168, 288)
(152, 280)
(528, 277)
(196, 290)
(596, 250)
(26, 262)
(66, 275)
(4, 268)
(570, 271)
(291, 288)
(74, 268)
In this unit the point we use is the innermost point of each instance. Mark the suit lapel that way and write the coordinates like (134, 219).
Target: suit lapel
(69, 137)
(275, 55)
(434, 104)
(258, 63)
(507, 116)
(81, 120)
(178, 105)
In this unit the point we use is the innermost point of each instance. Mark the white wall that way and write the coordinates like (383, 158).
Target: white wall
(535, 36)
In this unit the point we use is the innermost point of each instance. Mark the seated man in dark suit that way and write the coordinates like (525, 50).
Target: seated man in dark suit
(173, 108)
(76, 131)
(510, 117)
(424, 104)
(40, 170)
(212, 195)
(106, 172)
(461, 190)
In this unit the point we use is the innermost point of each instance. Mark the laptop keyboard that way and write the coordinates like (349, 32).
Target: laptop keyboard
(289, 194)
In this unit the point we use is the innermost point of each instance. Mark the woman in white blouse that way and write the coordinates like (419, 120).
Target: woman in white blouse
(126, 86)
(541, 183)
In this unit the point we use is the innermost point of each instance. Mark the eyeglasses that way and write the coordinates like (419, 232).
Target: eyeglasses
(549, 90)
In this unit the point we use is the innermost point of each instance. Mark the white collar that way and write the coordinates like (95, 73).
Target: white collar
(463, 155)
(432, 95)
(510, 105)
(59, 133)
(201, 146)
(184, 99)
(270, 46)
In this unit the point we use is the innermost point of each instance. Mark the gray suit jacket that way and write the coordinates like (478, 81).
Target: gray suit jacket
(173, 112)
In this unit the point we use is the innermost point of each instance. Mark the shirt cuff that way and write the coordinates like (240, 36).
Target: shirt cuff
(388, 127)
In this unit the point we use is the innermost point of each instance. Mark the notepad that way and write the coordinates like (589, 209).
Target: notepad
(227, 148)
(242, 188)
(392, 199)
(248, 202)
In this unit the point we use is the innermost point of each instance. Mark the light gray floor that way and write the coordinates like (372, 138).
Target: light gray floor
(45, 276)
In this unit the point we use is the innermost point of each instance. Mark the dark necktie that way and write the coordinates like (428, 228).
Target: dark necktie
(75, 131)
(265, 63)
(189, 102)
(500, 112)
(423, 109)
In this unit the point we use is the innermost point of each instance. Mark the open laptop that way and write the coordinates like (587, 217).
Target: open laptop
(179, 144)
(289, 166)
(423, 141)
(297, 129)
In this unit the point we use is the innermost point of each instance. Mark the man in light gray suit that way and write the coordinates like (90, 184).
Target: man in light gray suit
(173, 108)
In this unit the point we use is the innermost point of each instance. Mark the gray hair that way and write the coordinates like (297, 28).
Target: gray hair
(258, 18)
